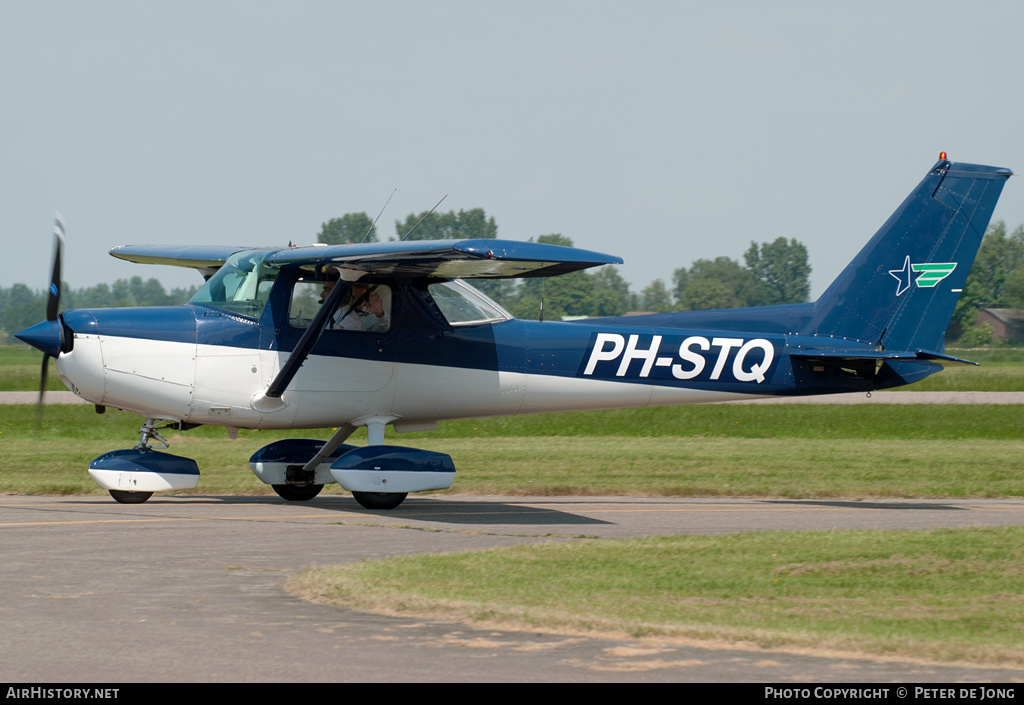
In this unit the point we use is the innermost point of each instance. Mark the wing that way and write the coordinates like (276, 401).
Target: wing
(441, 259)
(448, 259)
(206, 258)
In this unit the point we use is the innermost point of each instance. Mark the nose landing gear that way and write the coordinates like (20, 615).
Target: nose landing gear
(132, 475)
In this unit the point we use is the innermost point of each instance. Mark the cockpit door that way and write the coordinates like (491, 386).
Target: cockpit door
(354, 353)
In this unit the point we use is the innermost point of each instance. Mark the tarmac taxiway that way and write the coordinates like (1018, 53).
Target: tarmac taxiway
(190, 589)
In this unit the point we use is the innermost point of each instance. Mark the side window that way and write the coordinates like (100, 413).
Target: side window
(365, 307)
(305, 303)
(462, 305)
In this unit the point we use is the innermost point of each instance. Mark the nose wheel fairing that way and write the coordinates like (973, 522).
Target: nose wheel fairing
(142, 469)
(132, 475)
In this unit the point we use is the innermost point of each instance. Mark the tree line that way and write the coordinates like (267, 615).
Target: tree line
(21, 307)
(996, 281)
(772, 273)
(775, 272)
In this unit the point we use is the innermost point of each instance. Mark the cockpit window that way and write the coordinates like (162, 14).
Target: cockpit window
(462, 305)
(242, 285)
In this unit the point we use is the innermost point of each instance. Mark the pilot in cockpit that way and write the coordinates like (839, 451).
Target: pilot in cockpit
(364, 308)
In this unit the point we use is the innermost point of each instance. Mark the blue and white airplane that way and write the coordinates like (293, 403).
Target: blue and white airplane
(401, 339)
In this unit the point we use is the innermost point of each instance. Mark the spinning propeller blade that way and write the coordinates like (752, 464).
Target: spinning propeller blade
(52, 306)
(53, 302)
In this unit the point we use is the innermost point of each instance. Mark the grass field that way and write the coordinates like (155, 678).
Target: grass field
(944, 595)
(999, 370)
(712, 450)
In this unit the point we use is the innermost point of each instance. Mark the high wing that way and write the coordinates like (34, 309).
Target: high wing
(441, 259)
(205, 258)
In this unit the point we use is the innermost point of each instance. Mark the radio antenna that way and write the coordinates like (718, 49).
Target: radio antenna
(424, 218)
(378, 216)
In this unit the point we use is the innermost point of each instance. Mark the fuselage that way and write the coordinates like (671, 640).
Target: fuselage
(411, 345)
(205, 364)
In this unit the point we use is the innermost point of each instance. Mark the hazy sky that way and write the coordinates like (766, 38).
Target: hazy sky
(662, 132)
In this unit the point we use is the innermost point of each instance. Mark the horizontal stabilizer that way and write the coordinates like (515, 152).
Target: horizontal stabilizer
(843, 355)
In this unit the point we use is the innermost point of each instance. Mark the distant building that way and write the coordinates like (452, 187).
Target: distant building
(1006, 323)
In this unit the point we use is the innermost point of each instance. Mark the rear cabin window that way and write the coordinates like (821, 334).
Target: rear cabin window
(462, 305)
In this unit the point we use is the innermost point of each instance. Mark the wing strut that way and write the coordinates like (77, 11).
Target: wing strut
(335, 441)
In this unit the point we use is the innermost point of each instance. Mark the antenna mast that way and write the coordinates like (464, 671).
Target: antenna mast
(423, 218)
(378, 216)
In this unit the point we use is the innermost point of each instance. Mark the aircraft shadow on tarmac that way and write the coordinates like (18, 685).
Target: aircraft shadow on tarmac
(479, 513)
(418, 508)
(858, 504)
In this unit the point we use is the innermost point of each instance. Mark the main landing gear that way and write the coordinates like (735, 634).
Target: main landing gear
(297, 493)
(378, 476)
(304, 493)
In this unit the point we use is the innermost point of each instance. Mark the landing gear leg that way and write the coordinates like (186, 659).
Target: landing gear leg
(299, 479)
(148, 431)
(378, 500)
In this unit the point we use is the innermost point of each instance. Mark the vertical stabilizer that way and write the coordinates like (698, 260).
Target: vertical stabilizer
(901, 289)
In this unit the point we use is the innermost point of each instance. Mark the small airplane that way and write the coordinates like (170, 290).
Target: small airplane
(367, 335)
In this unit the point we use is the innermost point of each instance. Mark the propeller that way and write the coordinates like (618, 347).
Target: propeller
(52, 309)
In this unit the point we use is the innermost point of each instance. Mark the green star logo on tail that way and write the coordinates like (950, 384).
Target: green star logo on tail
(929, 274)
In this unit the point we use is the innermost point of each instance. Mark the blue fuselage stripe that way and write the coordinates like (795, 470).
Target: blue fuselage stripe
(720, 360)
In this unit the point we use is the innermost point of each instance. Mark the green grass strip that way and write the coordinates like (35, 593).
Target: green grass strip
(720, 450)
(809, 421)
(947, 595)
(612, 465)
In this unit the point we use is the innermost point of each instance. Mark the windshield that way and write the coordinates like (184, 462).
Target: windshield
(242, 285)
(463, 305)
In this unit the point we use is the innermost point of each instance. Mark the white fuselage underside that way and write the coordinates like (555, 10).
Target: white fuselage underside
(218, 385)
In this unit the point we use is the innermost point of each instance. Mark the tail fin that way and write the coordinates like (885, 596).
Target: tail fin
(900, 291)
